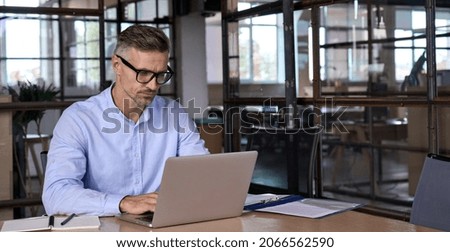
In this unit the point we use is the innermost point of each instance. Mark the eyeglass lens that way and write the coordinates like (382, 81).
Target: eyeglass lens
(147, 76)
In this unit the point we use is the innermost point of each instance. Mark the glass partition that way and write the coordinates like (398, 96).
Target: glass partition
(363, 66)
(378, 49)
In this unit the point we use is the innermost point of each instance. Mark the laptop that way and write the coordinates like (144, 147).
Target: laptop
(200, 188)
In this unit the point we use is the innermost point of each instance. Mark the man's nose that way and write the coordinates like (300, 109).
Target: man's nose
(153, 85)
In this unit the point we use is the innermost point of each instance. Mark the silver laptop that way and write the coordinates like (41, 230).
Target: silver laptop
(200, 188)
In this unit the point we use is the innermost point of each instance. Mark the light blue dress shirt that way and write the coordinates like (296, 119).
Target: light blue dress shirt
(97, 156)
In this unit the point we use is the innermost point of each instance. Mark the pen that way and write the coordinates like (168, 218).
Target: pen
(269, 200)
(274, 202)
(51, 221)
(64, 222)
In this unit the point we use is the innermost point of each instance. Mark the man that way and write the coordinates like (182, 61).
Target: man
(107, 153)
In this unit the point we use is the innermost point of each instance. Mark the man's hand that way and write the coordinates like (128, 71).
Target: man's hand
(138, 204)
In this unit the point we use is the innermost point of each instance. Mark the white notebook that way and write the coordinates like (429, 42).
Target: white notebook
(43, 223)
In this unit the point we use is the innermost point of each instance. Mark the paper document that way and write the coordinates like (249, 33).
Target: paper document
(309, 207)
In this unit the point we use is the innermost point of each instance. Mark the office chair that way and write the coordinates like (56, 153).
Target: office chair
(44, 160)
(431, 205)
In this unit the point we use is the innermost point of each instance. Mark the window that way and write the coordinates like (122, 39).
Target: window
(259, 49)
(60, 51)
(64, 50)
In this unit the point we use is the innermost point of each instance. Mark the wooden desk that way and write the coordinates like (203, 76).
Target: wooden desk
(350, 221)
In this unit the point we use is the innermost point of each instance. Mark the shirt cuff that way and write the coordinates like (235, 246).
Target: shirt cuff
(112, 204)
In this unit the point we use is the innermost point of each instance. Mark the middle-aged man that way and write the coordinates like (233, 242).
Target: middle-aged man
(107, 153)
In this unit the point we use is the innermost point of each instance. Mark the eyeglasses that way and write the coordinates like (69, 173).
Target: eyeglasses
(145, 76)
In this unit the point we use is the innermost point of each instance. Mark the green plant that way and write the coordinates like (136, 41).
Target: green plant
(29, 92)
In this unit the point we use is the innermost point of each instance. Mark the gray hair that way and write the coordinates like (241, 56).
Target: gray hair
(142, 38)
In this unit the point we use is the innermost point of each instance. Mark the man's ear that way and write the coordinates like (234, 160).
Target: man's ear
(115, 63)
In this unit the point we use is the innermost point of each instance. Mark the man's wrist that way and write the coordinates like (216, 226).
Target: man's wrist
(122, 205)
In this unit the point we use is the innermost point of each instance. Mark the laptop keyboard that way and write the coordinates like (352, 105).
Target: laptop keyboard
(148, 217)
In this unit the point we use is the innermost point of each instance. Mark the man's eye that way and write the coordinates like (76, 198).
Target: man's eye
(145, 73)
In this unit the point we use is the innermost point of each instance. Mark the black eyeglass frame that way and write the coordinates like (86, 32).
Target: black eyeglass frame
(128, 64)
